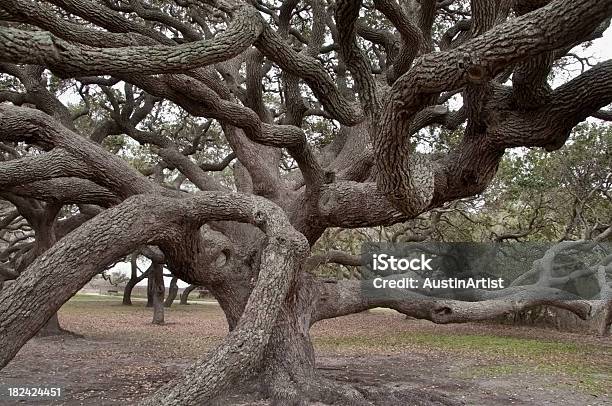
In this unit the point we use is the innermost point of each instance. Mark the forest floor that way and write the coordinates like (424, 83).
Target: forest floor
(120, 357)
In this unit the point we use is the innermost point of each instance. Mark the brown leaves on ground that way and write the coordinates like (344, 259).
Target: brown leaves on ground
(123, 357)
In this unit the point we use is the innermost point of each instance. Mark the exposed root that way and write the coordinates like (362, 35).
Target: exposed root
(331, 392)
(283, 391)
(298, 390)
(57, 332)
(413, 397)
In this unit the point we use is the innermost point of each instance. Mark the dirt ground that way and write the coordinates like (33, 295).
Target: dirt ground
(121, 357)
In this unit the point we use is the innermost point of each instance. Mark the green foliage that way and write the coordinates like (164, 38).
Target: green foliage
(555, 183)
(10, 83)
(320, 132)
(547, 195)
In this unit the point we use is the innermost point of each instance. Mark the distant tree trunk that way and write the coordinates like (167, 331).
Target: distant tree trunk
(606, 298)
(185, 294)
(606, 323)
(45, 238)
(150, 288)
(52, 328)
(172, 292)
(127, 292)
(157, 290)
(134, 280)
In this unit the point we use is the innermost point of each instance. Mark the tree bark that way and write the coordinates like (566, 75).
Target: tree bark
(172, 292)
(51, 328)
(150, 290)
(134, 280)
(268, 298)
(289, 361)
(606, 322)
(158, 289)
(127, 292)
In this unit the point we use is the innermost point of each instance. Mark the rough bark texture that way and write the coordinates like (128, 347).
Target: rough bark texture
(150, 291)
(51, 327)
(172, 292)
(158, 290)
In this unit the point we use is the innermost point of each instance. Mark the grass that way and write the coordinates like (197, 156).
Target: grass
(572, 373)
(190, 330)
(105, 300)
(580, 364)
(94, 298)
(488, 344)
(112, 306)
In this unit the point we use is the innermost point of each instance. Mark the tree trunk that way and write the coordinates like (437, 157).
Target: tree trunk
(134, 280)
(286, 371)
(289, 363)
(51, 328)
(150, 289)
(172, 292)
(127, 292)
(45, 238)
(606, 322)
(157, 289)
(186, 292)
(288, 367)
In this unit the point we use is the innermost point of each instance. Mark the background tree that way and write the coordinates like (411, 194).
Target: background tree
(172, 292)
(186, 292)
(134, 279)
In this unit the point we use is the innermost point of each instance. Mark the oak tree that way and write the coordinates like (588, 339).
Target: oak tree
(321, 104)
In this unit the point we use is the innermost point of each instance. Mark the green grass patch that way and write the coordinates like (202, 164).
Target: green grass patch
(487, 344)
(94, 298)
(80, 304)
(571, 373)
(577, 365)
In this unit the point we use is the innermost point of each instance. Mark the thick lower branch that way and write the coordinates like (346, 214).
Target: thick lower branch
(347, 297)
(146, 219)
